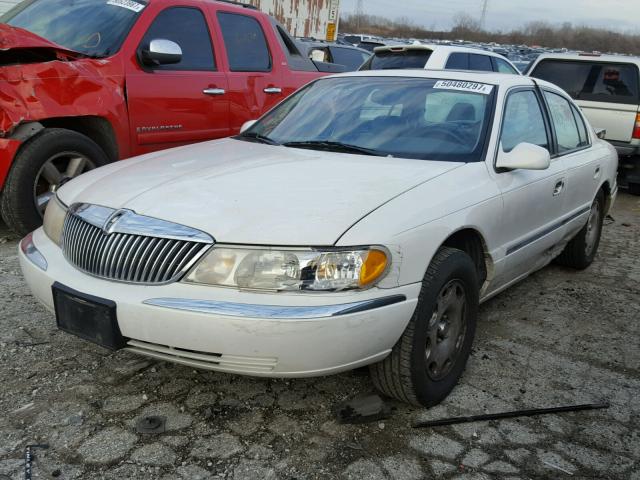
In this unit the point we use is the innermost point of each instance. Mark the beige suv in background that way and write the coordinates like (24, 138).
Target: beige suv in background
(607, 89)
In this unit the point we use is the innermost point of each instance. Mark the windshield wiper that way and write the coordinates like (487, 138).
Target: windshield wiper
(260, 138)
(334, 147)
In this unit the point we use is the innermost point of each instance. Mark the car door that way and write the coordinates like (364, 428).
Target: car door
(534, 200)
(253, 72)
(582, 162)
(177, 103)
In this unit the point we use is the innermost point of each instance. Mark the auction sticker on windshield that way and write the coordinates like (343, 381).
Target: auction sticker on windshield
(128, 4)
(464, 86)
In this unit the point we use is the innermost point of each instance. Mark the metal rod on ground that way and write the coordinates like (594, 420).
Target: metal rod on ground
(514, 414)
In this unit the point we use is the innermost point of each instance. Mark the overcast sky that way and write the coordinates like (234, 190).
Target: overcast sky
(508, 14)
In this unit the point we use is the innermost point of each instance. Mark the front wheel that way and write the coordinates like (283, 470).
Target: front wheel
(427, 361)
(581, 250)
(42, 164)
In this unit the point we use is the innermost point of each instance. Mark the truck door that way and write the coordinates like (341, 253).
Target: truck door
(254, 71)
(177, 103)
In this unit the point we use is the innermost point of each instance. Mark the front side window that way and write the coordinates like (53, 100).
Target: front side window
(523, 121)
(188, 28)
(95, 28)
(564, 123)
(245, 43)
(386, 116)
(592, 81)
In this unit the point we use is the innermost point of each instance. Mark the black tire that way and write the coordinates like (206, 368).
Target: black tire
(581, 250)
(404, 374)
(634, 188)
(18, 204)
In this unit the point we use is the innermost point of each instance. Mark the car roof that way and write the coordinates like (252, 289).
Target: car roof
(433, 47)
(589, 57)
(490, 78)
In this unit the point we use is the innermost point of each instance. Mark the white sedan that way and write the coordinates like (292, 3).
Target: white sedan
(360, 222)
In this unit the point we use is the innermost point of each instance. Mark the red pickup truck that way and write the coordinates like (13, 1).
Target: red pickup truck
(87, 82)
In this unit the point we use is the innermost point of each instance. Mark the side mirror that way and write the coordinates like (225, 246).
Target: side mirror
(161, 52)
(525, 156)
(247, 125)
(601, 133)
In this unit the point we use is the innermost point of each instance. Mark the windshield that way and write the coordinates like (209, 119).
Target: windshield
(95, 28)
(386, 116)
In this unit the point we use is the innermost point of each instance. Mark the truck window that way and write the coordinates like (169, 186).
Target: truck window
(564, 123)
(592, 81)
(458, 61)
(187, 27)
(245, 43)
(480, 62)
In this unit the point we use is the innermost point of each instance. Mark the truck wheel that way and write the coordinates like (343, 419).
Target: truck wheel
(41, 165)
(427, 361)
(581, 250)
(634, 188)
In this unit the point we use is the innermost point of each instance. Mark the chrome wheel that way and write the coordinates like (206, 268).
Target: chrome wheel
(57, 170)
(446, 330)
(593, 228)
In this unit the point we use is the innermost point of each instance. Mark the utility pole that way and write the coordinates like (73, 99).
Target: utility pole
(485, 8)
(359, 13)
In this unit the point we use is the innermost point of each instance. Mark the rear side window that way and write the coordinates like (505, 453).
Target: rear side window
(564, 123)
(188, 28)
(245, 43)
(503, 67)
(458, 61)
(523, 121)
(398, 60)
(592, 81)
(582, 128)
(480, 62)
(349, 57)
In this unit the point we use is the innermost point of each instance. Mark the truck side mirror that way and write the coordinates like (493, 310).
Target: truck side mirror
(161, 52)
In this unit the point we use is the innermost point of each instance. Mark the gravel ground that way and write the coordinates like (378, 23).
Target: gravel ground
(560, 337)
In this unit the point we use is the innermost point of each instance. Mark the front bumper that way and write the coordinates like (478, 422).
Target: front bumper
(273, 335)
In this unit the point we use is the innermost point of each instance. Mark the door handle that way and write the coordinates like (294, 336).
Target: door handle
(214, 91)
(558, 188)
(273, 90)
(596, 175)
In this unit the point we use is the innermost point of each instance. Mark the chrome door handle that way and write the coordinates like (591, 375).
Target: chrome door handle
(273, 90)
(558, 188)
(214, 91)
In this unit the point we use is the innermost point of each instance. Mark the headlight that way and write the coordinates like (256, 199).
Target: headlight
(291, 269)
(54, 219)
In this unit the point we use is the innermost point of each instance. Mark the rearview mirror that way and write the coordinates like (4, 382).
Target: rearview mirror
(525, 156)
(161, 52)
(247, 125)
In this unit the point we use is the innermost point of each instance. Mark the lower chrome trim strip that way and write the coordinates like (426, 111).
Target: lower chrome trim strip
(547, 231)
(231, 309)
(32, 253)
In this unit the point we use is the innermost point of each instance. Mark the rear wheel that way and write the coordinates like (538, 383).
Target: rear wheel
(43, 164)
(427, 361)
(581, 250)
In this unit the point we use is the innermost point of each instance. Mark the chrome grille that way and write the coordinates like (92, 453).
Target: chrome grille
(117, 245)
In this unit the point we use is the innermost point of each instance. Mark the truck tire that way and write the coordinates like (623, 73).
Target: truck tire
(581, 250)
(429, 358)
(52, 157)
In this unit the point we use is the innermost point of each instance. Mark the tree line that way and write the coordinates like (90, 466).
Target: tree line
(538, 33)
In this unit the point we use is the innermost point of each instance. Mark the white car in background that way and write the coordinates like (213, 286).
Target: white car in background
(360, 222)
(438, 57)
(607, 89)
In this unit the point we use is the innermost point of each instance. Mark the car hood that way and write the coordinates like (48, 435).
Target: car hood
(242, 192)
